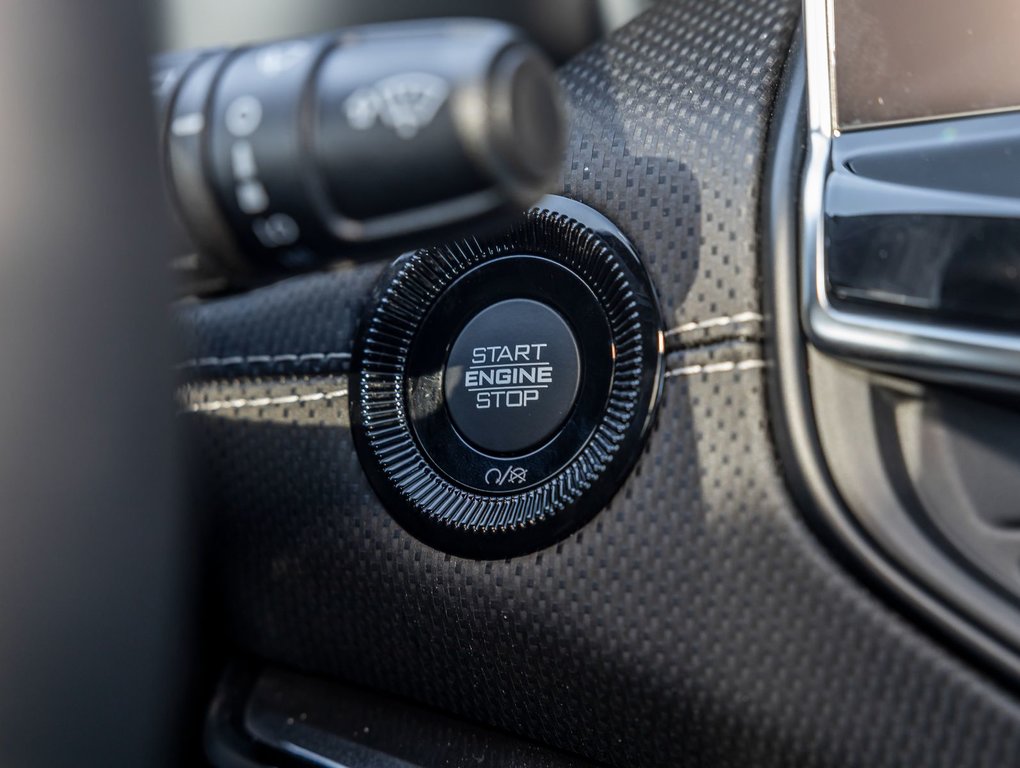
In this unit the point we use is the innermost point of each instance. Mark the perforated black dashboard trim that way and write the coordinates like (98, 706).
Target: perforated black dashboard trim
(695, 621)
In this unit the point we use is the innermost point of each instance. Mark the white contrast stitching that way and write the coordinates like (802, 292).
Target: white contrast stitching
(714, 322)
(692, 370)
(208, 362)
(262, 402)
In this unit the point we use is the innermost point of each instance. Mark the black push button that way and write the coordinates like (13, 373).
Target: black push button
(502, 389)
(512, 376)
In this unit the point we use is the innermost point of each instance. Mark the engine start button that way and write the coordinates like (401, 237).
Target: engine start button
(512, 376)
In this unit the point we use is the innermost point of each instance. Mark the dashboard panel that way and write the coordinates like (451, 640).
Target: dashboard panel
(700, 618)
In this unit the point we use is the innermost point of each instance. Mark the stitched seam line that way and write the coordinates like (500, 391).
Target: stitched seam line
(723, 346)
(241, 403)
(715, 322)
(693, 370)
(209, 362)
(262, 402)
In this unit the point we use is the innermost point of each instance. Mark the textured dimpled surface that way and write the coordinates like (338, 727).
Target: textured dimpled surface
(695, 621)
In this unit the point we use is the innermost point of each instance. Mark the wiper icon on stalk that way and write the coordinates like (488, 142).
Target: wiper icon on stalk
(406, 103)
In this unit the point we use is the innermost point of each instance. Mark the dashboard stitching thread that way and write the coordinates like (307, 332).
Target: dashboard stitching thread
(233, 360)
(721, 367)
(715, 322)
(262, 402)
(208, 362)
(241, 403)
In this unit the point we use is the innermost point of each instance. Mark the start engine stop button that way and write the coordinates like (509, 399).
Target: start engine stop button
(512, 376)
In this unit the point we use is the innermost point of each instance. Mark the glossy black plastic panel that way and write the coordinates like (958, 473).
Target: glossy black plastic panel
(910, 263)
(918, 218)
(953, 268)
